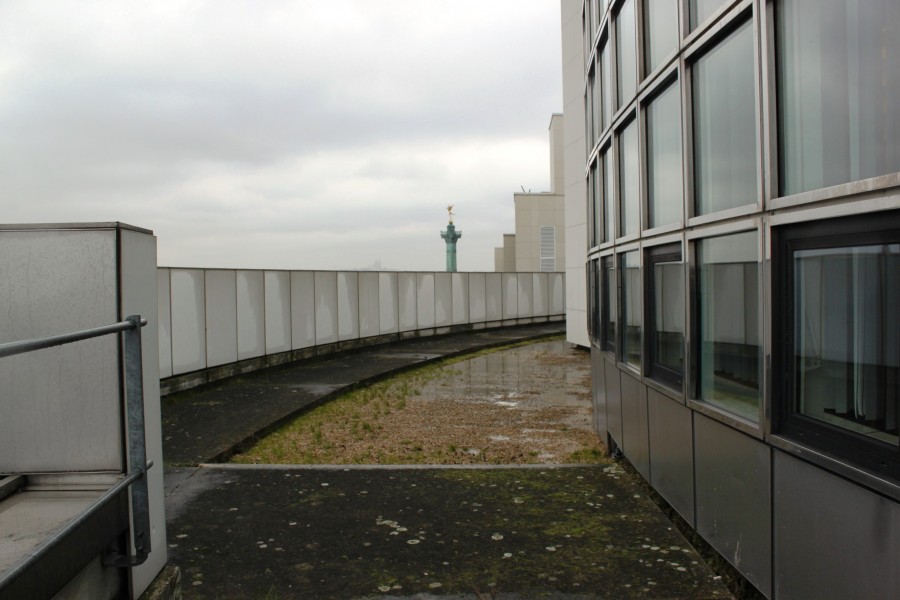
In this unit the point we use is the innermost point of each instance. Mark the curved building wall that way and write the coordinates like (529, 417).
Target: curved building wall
(743, 201)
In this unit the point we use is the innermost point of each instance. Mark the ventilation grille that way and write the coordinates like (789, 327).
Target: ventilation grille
(548, 248)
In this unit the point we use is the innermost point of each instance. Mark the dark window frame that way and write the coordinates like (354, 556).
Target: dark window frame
(656, 371)
(790, 423)
(608, 289)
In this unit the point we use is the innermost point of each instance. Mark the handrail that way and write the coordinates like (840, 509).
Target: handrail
(138, 464)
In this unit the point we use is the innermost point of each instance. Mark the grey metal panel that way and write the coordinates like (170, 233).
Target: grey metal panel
(425, 300)
(221, 318)
(164, 317)
(388, 303)
(598, 392)
(188, 320)
(348, 305)
(635, 431)
(613, 401)
(672, 452)
(406, 283)
(833, 538)
(557, 293)
(477, 297)
(541, 287)
(251, 314)
(526, 295)
(303, 309)
(460, 295)
(510, 295)
(369, 311)
(277, 311)
(443, 300)
(734, 498)
(326, 307)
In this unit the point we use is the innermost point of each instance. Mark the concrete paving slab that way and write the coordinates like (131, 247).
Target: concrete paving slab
(545, 532)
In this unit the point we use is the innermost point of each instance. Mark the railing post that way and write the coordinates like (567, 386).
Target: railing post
(137, 449)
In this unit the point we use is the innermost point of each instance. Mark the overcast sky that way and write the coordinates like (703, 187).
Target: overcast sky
(280, 134)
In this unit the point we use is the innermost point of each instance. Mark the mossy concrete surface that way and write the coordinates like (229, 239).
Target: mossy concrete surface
(527, 532)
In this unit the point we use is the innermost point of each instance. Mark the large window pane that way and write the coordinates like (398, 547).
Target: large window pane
(664, 158)
(724, 119)
(701, 10)
(608, 304)
(609, 206)
(606, 84)
(626, 38)
(660, 31)
(596, 191)
(838, 91)
(728, 309)
(631, 308)
(629, 179)
(666, 326)
(846, 343)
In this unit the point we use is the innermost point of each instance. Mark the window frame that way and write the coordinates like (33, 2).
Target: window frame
(789, 423)
(654, 371)
(608, 288)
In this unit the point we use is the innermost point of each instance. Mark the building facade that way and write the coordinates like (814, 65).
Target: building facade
(742, 176)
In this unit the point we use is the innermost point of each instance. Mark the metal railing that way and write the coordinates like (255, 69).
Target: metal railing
(135, 478)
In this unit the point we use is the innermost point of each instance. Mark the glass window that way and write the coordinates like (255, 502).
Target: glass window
(841, 280)
(838, 92)
(593, 276)
(596, 191)
(626, 38)
(660, 31)
(664, 181)
(608, 304)
(606, 84)
(629, 179)
(724, 118)
(631, 308)
(728, 321)
(597, 97)
(701, 10)
(609, 217)
(589, 115)
(665, 329)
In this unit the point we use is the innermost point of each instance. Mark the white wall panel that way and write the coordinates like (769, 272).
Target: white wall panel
(221, 318)
(188, 320)
(326, 307)
(557, 293)
(443, 300)
(348, 305)
(526, 294)
(251, 314)
(369, 313)
(477, 297)
(278, 311)
(425, 299)
(164, 321)
(493, 287)
(540, 294)
(460, 295)
(510, 295)
(407, 289)
(388, 303)
(303, 309)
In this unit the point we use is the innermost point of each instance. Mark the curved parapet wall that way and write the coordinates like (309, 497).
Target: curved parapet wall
(215, 323)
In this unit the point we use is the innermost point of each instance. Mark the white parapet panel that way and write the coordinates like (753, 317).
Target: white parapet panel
(540, 294)
(425, 300)
(221, 318)
(348, 305)
(278, 311)
(251, 314)
(188, 320)
(557, 293)
(459, 283)
(477, 298)
(369, 314)
(303, 309)
(407, 292)
(326, 307)
(443, 300)
(164, 316)
(388, 303)
(493, 297)
(526, 295)
(510, 295)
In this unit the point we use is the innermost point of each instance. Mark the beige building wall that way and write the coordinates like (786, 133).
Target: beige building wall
(505, 256)
(574, 159)
(534, 211)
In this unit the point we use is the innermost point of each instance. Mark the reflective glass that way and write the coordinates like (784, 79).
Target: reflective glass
(606, 83)
(664, 180)
(846, 344)
(629, 178)
(660, 31)
(667, 311)
(626, 38)
(724, 118)
(631, 308)
(596, 189)
(608, 305)
(838, 92)
(701, 10)
(609, 206)
(728, 285)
